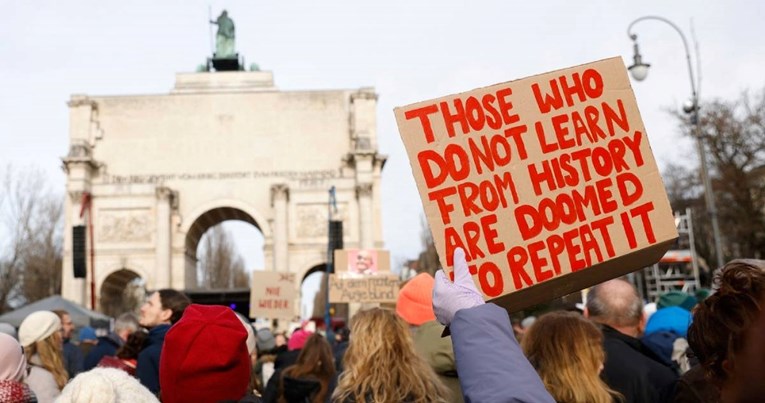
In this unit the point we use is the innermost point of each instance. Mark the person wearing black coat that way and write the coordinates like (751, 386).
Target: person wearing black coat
(631, 368)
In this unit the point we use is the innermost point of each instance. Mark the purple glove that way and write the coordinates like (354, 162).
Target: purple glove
(448, 297)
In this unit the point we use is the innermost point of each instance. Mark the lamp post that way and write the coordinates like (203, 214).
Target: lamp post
(639, 71)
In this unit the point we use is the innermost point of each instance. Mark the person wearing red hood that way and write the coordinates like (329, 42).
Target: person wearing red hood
(205, 358)
(415, 306)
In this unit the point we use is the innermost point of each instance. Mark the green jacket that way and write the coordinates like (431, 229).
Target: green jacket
(438, 352)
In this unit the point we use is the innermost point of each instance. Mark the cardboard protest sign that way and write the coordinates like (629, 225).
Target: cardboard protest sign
(362, 261)
(273, 295)
(547, 182)
(369, 288)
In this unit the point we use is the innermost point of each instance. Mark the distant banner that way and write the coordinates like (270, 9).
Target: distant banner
(273, 295)
(362, 261)
(372, 288)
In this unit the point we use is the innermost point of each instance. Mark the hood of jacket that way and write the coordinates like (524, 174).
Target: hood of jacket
(299, 389)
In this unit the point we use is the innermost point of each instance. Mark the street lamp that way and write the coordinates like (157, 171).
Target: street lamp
(639, 72)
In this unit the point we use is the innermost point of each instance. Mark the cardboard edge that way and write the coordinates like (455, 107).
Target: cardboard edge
(505, 82)
(588, 277)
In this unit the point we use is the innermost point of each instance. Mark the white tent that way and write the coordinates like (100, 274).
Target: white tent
(80, 316)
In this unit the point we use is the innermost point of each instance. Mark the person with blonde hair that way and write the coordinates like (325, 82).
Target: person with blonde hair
(40, 335)
(567, 352)
(381, 364)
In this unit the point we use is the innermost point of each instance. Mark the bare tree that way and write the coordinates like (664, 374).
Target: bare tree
(31, 250)
(734, 132)
(43, 260)
(220, 264)
(427, 261)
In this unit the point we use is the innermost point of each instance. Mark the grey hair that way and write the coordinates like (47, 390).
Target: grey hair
(126, 321)
(615, 303)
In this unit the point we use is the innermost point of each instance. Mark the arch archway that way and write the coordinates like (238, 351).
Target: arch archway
(312, 292)
(122, 291)
(200, 228)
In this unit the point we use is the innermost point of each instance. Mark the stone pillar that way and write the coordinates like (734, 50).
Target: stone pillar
(366, 230)
(163, 244)
(279, 199)
(79, 167)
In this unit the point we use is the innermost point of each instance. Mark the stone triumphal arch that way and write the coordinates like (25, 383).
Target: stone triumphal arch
(160, 170)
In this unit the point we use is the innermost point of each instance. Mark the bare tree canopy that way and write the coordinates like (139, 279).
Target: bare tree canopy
(734, 133)
(31, 246)
(220, 264)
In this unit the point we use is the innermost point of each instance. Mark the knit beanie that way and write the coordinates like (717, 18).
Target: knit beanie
(266, 341)
(87, 333)
(105, 385)
(13, 363)
(38, 326)
(676, 298)
(298, 339)
(415, 300)
(673, 319)
(204, 357)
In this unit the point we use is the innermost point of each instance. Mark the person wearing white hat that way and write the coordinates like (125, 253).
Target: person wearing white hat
(40, 335)
(105, 385)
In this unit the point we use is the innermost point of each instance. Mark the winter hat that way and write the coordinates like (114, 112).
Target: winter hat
(87, 333)
(415, 300)
(676, 298)
(38, 326)
(298, 339)
(702, 294)
(266, 340)
(13, 365)
(8, 329)
(105, 385)
(204, 357)
(673, 319)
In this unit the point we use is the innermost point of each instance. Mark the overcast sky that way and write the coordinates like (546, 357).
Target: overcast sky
(408, 50)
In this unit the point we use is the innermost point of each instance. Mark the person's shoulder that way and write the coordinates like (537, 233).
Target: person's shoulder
(151, 351)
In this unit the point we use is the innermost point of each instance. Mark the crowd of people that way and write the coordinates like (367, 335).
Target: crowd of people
(611, 350)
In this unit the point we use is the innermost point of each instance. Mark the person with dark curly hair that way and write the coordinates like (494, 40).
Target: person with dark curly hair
(727, 331)
(126, 357)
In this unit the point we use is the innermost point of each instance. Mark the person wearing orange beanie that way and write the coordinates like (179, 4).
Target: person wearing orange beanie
(415, 306)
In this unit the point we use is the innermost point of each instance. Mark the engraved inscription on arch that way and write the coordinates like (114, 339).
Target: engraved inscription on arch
(312, 219)
(133, 225)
